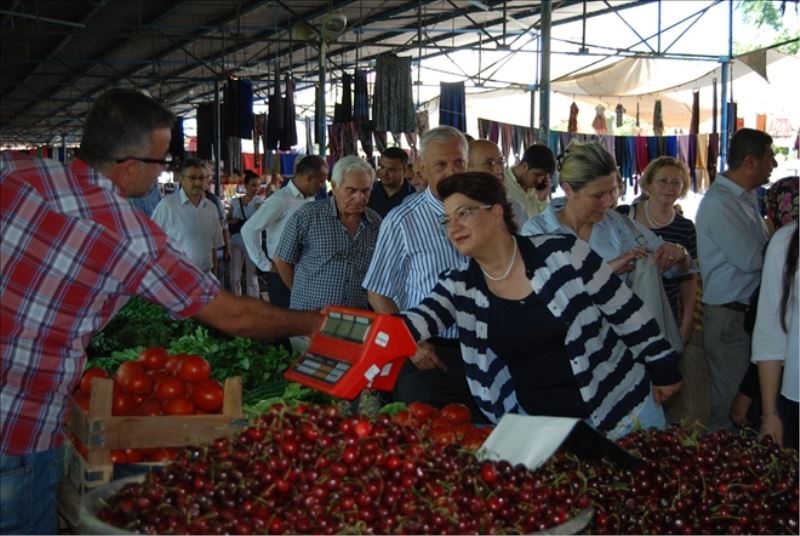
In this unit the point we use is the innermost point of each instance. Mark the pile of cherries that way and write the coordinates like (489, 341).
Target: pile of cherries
(311, 470)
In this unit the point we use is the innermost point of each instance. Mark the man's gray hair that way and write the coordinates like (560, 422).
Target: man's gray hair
(442, 133)
(347, 164)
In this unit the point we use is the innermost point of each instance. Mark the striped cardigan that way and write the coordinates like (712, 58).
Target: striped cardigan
(615, 347)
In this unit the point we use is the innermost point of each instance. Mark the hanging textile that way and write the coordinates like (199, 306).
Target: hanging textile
(349, 139)
(452, 105)
(619, 154)
(713, 156)
(176, 143)
(694, 126)
(642, 157)
(380, 140)
(411, 140)
(335, 141)
(619, 111)
(732, 111)
(347, 97)
(234, 156)
(289, 133)
(423, 122)
(609, 125)
(637, 113)
(761, 122)
(609, 143)
(505, 140)
(652, 148)
(483, 128)
(702, 162)
(658, 119)
(572, 124)
(599, 123)
(365, 136)
(205, 131)
(672, 146)
(714, 108)
(692, 158)
(259, 130)
(361, 111)
(392, 102)
(683, 148)
(629, 169)
(309, 130)
(274, 117)
(238, 109)
(494, 132)
(565, 138)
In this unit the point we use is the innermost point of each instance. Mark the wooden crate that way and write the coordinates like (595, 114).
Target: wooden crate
(101, 432)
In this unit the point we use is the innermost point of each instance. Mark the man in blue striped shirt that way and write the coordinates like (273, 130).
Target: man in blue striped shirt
(411, 252)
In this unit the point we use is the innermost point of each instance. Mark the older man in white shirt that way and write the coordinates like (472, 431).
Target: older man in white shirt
(190, 219)
(309, 176)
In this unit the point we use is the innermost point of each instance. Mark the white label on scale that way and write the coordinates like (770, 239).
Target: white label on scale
(387, 368)
(382, 339)
(371, 372)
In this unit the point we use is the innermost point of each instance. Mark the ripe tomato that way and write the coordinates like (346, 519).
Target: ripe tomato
(138, 384)
(86, 379)
(172, 364)
(153, 358)
(456, 413)
(126, 370)
(123, 403)
(472, 440)
(401, 417)
(208, 395)
(82, 400)
(162, 455)
(169, 388)
(118, 456)
(443, 436)
(194, 368)
(150, 408)
(133, 455)
(441, 423)
(422, 411)
(180, 405)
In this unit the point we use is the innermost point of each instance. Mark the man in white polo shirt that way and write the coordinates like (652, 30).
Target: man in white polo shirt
(190, 219)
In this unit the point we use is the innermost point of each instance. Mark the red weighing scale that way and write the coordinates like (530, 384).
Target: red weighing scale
(354, 349)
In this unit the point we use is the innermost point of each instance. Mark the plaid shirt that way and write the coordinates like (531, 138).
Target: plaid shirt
(329, 265)
(72, 251)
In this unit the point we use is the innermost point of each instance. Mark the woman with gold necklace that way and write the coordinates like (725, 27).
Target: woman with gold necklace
(545, 326)
(665, 180)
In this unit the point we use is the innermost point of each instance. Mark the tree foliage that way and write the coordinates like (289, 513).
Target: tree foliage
(770, 14)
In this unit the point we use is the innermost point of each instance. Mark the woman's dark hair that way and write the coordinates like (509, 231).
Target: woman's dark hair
(482, 187)
(788, 275)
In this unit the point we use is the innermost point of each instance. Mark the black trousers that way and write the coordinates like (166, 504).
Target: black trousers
(279, 293)
(437, 387)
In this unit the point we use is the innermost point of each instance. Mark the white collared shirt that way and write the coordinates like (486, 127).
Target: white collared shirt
(195, 230)
(272, 218)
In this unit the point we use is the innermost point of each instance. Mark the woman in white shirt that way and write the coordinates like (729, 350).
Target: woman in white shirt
(242, 208)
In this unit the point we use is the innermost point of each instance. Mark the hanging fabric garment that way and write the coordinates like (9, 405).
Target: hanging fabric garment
(761, 122)
(619, 111)
(494, 132)
(452, 105)
(694, 126)
(335, 141)
(619, 154)
(637, 113)
(289, 134)
(309, 129)
(483, 128)
(347, 97)
(672, 146)
(411, 140)
(259, 130)
(531, 137)
(553, 140)
(274, 118)
(349, 138)
(572, 124)
(234, 158)
(517, 141)
(714, 108)
(642, 156)
(396, 139)
(392, 101)
(505, 140)
(361, 110)
(205, 131)
(732, 118)
(238, 108)
(652, 148)
(692, 158)
(423, 122)
(564, 139)
(702, 162)
(365, 136)
(609, 125)
(683, 149)
(599, 123)
(380, 140)
(713, 156)
(658, 119)
(176, 143)
(630, 159)
(609, 143)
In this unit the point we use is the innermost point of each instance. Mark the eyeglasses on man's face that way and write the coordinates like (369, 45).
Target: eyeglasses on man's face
(462, 213)
(165, 162)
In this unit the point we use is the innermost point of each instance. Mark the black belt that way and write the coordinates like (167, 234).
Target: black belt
(735, 306)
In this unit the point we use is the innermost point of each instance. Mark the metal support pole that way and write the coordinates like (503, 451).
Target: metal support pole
(725, 123)
(544, 79)
(319, 111)
(64, 159)
(217, 141)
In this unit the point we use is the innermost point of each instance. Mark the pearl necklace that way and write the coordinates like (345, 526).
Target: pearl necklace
(508, 270)
(651, 219)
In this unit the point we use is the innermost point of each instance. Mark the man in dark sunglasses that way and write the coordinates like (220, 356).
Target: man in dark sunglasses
(73, 252)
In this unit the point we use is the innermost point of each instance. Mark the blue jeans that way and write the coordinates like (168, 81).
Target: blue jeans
(650, 416)
(29, 492)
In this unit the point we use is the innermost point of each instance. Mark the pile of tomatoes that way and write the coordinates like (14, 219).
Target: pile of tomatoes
(157, 384)
(450, 425)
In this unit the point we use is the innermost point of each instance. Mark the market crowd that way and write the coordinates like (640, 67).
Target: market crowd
(623, 316)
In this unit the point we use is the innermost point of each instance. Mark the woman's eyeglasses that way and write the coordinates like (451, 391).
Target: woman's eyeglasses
(462, 213)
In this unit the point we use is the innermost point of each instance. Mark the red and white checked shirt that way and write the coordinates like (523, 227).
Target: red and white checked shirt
(72, 252)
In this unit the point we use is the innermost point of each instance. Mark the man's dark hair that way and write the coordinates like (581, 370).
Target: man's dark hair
(120, 123)
(483, 188)
(308, 164)
(396, 153)
(249, 174)
(193, 163)
(540, 157)
(744, 142)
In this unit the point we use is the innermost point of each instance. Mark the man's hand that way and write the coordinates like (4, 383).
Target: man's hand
(772, 425)
(426, 358)
(738, 412)
(662, 392)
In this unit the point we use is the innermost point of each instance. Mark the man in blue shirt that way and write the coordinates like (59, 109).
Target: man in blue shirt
(392, 188)
(731, 236)
(412, 250)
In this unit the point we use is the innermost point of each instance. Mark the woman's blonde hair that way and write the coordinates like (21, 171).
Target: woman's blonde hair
(581, 163)
(661, 162)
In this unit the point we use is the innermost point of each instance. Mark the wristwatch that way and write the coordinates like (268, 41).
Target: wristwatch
(685, 253)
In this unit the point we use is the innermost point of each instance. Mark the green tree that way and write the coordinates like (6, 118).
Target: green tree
(770, 14)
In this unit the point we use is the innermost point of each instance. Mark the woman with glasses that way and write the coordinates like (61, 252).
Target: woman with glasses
(587, 173)
(544, 325)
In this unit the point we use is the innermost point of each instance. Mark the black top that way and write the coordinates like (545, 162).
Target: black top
(381, 203)
(530, 339)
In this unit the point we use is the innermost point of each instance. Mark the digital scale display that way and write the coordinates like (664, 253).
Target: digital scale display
(355, 349)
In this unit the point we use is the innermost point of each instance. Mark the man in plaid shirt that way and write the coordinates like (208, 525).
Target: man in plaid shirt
(72, 250)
